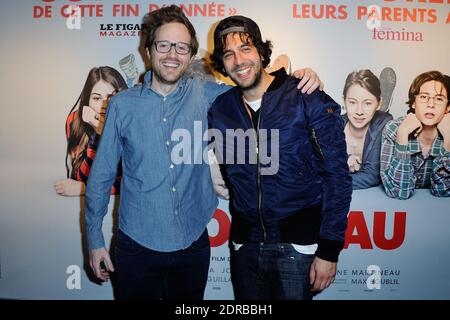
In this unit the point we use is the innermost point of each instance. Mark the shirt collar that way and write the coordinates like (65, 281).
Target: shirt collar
(437, 146)
(435, 151)
(414, 145)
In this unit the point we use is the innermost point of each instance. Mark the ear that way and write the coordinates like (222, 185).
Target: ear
(379, 104)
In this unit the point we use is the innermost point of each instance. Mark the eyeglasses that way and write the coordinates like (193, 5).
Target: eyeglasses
(439, 100)
(165, 46)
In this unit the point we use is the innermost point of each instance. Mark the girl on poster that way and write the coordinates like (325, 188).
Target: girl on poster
(364, 123)
(84, 127)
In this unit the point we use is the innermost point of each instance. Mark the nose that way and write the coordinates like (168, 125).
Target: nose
(172, 52)
(359, 109)
(238, 58)
(431, 102)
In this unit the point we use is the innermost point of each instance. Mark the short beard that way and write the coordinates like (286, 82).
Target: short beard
(254, 84)
(163, 80)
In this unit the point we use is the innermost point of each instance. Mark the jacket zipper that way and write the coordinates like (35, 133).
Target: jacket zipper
(258, 165)
(259, 174)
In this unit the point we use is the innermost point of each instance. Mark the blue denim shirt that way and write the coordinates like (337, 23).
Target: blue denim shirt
(164, 206)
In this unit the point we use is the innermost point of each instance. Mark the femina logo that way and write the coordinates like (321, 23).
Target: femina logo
(396, 35)
(358, 233)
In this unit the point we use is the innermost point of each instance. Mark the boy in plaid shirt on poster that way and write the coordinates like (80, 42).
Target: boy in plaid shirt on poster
(415, 150)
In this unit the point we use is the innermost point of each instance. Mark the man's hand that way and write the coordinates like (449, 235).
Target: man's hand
(309, 82)
(409, 125)
(221, 189)
(354, 163)
(96, 256)
(322, 274)
(70, 187)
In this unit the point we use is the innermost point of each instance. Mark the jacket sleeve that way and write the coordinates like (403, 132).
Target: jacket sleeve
(74, 173)
(327, 136)
(88, 159)
(369, 173)
(101, 178)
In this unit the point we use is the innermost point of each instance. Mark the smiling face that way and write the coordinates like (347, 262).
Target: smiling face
(360, 105)
(100, 94)
(430, 113)
(169, 67)
(242, 61)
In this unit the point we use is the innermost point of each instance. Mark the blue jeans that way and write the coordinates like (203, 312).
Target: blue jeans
(270, 272)
(147, 274)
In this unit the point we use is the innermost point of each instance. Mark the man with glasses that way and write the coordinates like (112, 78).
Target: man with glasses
(415, 150)
(162, 249)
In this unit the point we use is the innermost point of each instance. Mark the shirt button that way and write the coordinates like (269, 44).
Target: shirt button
(171, 166)
(176, 212)
(164, 119)
(168, 143)
(173, 189)
(164, 98)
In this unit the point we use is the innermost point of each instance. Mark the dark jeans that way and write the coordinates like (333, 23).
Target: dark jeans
(270, 272)
(147, 274)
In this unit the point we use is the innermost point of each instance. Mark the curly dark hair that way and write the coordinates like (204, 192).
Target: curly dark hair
(155, 19)
(264, 48)
(414, 89)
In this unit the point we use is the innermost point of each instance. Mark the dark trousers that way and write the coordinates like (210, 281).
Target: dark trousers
(147, 274)
(270, 272)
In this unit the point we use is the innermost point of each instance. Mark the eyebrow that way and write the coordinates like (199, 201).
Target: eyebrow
(172, 41)
(366, 99)
(240, 46)
(246, 44)
(108, 95)
(439, 94)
